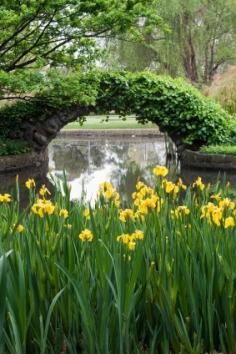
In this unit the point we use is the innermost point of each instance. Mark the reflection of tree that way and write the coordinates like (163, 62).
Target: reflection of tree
(126, 175)
(123, 160)
(76, 159)
(120, 149)
(135, 161)
(127, 180)
(70, 158)
(97, 155)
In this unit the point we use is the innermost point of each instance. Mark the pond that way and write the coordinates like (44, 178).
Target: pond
(88, 161)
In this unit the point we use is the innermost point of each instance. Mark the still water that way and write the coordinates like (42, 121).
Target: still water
(89, 161)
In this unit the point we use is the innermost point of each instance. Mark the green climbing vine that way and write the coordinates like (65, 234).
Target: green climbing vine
(174, 105)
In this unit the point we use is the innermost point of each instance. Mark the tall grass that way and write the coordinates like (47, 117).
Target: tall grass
(170, 291)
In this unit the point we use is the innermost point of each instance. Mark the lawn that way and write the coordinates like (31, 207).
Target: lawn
(98, 122)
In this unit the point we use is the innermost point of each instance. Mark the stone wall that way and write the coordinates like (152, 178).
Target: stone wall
(29, 160)
(101, 133)
(193, 159)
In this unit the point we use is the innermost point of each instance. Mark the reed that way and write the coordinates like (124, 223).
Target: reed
(158, 277)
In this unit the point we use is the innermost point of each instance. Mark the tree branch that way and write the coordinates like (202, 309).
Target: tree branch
(34, 45)
(16, 43)
(20, 29)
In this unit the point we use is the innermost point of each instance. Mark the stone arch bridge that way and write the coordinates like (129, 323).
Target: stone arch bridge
(190, 119)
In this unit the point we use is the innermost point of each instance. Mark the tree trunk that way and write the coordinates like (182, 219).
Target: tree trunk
(189, 60)
(189, 55)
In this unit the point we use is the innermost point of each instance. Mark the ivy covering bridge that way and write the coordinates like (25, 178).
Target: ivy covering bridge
(189, 118)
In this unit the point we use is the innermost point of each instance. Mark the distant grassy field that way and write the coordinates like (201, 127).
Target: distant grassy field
(97, 122)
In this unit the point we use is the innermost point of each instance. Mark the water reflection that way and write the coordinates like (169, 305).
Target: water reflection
(89, 162)
(209, 176)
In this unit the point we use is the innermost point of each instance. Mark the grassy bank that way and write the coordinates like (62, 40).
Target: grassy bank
(219, 149)
(156, 278)
(114, 122)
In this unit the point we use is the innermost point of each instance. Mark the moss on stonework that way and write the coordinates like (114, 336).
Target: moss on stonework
(13, 147)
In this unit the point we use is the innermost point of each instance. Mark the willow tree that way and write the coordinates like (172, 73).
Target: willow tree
(202, 36)
(198, 40)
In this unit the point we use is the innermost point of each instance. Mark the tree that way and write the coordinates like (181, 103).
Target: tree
(202, 36)
(198, 40)
(129, 54)
(40, 34)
